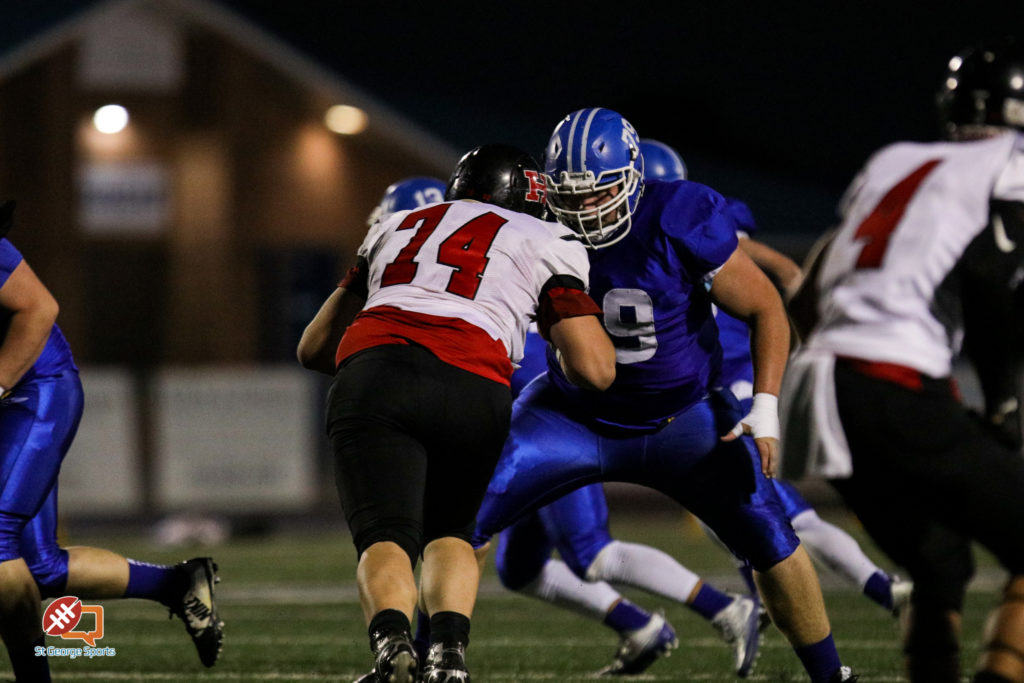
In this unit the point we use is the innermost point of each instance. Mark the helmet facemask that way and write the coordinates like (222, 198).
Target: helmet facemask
(598, 208)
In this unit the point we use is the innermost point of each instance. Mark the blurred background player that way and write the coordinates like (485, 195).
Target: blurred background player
(424, 331)
(870, 405)
(407, 193)
(826, 543)
(658, 262)
(41, 401)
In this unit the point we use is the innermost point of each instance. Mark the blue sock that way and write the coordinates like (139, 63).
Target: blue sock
(160, 582)
(421, 642)
(626, 616)
(27, 666)
(709, 601)
(820, 660)
(879, 589)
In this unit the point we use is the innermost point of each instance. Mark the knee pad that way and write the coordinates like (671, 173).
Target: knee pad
(406, 533)
(11, 526)
(50, 570)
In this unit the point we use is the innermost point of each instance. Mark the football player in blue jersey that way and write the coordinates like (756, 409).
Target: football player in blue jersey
(657, 266)
(577, 526)
(41, 402)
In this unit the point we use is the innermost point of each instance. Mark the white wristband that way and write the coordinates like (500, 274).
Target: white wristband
(763, 419)
(764, 416)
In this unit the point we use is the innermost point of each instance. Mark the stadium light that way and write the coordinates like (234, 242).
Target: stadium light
(346, 120)
(110, 119)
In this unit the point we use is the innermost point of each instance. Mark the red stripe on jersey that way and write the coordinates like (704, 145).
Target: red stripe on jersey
(453, 340)
(889, 372)
(901, 375)
(558, 303)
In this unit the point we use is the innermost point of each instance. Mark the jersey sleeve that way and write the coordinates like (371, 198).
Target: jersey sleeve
(372, 240)
(564, 255)
(564, 271)
(742, 214)
(10, 257)
(699, 223)
(562, 297)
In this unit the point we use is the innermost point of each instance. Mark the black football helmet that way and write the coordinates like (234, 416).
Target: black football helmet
(502, 175)
(984, 87)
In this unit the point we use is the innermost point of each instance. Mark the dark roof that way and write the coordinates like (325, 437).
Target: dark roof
(32, 34)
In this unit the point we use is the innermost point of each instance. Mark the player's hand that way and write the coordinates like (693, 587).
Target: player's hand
(762, 423)
(768, 449)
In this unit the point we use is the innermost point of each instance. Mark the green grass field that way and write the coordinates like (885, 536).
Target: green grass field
(291, 614)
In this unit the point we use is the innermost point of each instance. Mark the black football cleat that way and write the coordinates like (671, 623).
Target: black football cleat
(198, 609)
(446, 664)
(395, 660)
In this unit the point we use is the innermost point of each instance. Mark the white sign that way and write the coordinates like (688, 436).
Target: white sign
(101, 474)
(235, 440)
(123, 198)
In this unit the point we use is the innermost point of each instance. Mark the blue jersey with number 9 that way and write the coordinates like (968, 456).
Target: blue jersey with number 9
(653, 289)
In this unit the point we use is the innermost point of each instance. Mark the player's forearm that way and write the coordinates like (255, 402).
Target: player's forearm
(321, 337)
(769, 349)
(585, 352)
(783, 270)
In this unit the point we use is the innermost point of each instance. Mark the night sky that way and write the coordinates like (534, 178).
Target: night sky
(775, 103)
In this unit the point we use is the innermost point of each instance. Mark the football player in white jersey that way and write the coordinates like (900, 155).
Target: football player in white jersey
(868, 402)
(421, 337)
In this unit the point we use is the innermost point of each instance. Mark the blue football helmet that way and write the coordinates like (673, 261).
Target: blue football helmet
(593, 168)
(661, 162)
(409, 193)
